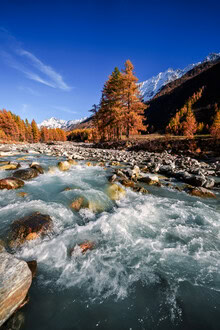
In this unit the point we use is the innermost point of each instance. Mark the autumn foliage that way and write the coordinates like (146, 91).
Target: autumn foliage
(215, 128)
(184, 121)
(83, 135)
(121, 109)
(14, 129)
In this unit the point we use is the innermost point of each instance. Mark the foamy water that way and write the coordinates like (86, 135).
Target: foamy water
(155, 264)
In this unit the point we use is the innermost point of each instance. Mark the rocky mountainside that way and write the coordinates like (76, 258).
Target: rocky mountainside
(149, 88)
(175, 94)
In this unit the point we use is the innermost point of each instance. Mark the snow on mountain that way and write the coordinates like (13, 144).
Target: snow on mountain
(149, 88)
(60, 123)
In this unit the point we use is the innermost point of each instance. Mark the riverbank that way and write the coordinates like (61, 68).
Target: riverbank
(204, 172)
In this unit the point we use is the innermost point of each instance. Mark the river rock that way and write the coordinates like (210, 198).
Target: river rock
(10, 166)
(150, 181)
(200, 192)
(141, 190)
(15, 279)
(11, 183)
(37, 167)
(78, 203)
(26, 174)
(72, 162)
(127, 183)
(115, 192)
(32, 264)
(22, 194)
(112, 178)
(29, 228)
(88, 245)
(196, 180)
(64, 166)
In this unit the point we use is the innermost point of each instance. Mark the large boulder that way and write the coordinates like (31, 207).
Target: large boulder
(37, 167)
(11, 183)
(29, 228)
(64, 166)
(26, 174)
(15, 279)
(115, 192)
(200, 192)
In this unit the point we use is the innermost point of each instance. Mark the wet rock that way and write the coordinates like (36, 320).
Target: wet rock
(127, 183)
(10, 166)
(15, 322)
(115, 163)
(22, 194)
(72, 162)
(26, 174)
(68, 189)
(145, 169)
(64, 166)
(89, 164)
(102, 164)
(150, 181)
(78, 203)
(4, 162)
(2, 246)
(115, 192)
(32, 264)
(88, 245)
(29, 228)
(141, 190)
(11, 183)
(195, 180)
(209, 183)
(22, 158)
(112, 178)
(37, 167)
(94, 206)
(15, 279)
(200, 192)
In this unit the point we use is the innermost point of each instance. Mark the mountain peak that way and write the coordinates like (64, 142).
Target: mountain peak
(149, 88)
(60, 123)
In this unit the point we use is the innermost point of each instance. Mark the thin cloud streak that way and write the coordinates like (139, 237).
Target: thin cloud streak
(64, 109)
(33, 68)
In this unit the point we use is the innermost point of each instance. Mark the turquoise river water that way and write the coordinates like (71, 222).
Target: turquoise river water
(155, 265)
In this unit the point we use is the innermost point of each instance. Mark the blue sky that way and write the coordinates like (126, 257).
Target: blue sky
(56, 55)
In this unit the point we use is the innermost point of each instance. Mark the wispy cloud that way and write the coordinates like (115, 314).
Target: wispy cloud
(24, 108)
(31, 66)
(64, 109)
(29, 90)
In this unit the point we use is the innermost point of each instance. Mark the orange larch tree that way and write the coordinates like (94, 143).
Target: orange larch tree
(215, 128)
(133, 107)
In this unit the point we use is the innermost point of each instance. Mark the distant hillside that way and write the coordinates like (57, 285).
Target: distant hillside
(174, 95)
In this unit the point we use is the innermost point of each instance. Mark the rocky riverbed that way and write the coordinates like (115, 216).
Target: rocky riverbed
(102, 220)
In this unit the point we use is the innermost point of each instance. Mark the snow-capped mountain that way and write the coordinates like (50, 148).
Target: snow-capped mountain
(60, 123)
(149, 88)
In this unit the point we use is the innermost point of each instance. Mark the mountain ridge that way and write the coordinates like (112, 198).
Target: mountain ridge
(152, 86)
(60, 123)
